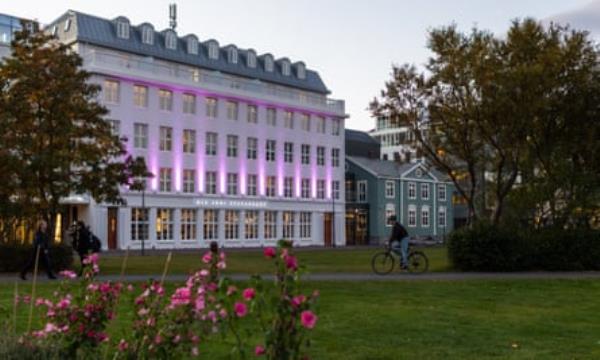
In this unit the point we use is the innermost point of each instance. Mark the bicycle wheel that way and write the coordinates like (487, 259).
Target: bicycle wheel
(417, 262)
(382, 263)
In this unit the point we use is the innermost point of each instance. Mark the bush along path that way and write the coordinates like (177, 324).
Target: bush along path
(272, 320)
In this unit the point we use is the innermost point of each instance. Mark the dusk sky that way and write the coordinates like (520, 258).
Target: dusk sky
(352, 44)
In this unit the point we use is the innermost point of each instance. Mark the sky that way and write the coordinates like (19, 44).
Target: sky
(351, 43)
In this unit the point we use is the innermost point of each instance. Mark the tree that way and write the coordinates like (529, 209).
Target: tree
(55, 141)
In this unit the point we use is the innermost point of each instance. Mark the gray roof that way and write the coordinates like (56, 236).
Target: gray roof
(102, 32)
(355, 135)
(391, 169)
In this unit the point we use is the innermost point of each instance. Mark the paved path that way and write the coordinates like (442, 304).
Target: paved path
(358, 277)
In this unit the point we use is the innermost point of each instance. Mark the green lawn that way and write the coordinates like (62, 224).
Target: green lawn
(518, 319)
(252, 261)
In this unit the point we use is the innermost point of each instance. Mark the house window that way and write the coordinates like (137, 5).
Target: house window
(305, 225)
(122, 29)
(251, 224)
(252, 148)
(171, 40)
(425, 216)
(192, 45)
(139, 224)
(111, 91)
(166, 138)
(211, 224)
(442, 216)
(305, 154)
(285, 68)
(390, 189)
(188, 224)
(232, 184)
(271, 116)
(115, 127)
(211, 143)
(425, 191)
(140, 96)
(320, 155)
(189, 183)
(442, 192)
(361, 191)
(335, 157)
(305, 189)
(412, 190)
(232, 110)
(270, 220)
(140, 136)
(390, 210)
(320, 189)
(335, 189)
(288, 224)
(251, 181)
(288, 152)
(232, 55)
(252, 114)
(251, 59)
(305, 122)
(232, 145)
(412, 216)
(270, 146)
(189, 141)
(300, 71)
(288, 187)
(336, 127)
(288, 119)
(165, 179)
(321, 125)
(165, 100)
(210, 183)
(232, 224)
(213, 50)
(189, 104)
(211, 107)
(147, 35)
(271, 183)
(268, 64)
(164, 224)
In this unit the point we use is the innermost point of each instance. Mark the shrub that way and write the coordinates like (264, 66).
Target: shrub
(13, 257)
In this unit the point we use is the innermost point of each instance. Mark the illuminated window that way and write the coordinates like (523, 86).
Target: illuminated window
(164, 224)
(188, 224)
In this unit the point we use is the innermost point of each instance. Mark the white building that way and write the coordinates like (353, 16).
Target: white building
(245, 149)
(398, 142)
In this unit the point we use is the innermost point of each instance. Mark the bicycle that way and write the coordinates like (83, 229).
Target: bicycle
(383, 262)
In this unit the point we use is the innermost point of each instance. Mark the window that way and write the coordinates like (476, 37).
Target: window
(232, 224)
(442, 192)
(412, 216)
(232, 145)
(140, 96)
(288, 152)
(321, 124)
(425, 191)
(251, 224)
(67, 25)
(111, 91)
(335, 157)
(442, 216)
(211, 224)
(301, 71)
(252, 114)
(270, 218)
(390, 210)
(211, 107)
(320, 189)
(270, 146)
(189, 104)
(305, 225)
(140, 136)
(425, 216)
(192, 45)
(288, 119)
(166, 138)
(285, 68)
(305, 154)
(251, 148)
(164, 224)
(271, 183)
(336, 127)
(189, 141)
(211, 143)
(390, 189)
(139, 224)
(271, 116)
(305, 122)
(305, 189)
(210, 183)
(320, 155)
(232, 110)
(361, 191)
(213, 50)
(189, 183)
(251, 59)
(335, 189)
(232, 184)
(147, 35)
(288, 224)
(251, 187)
(122, 29)
(171, 40)
(232, 55)
(288, 187)
(165, 179)
(115, 127)
(188, 224)
(268, 63)
(412, 190)
(165, 100)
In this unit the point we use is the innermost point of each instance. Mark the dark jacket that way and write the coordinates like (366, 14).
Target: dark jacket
(41, 239)
(82, 240)
(398, 232)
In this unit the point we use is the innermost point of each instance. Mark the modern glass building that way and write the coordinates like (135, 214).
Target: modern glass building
(8, 26)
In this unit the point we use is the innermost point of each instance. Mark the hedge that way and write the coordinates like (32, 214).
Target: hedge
(14, 257)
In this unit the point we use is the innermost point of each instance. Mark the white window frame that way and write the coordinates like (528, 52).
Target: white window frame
(164, 224)
(210, 182)
(210, 224)
(288, 187)
(269, 64)
(140, 96)
(320, 189)
(115, 127)
(171, 40)
(442, 189)
(301, 71)
(252, 114)
(425, 215)
(232, 224)
(285, 68)
(390, 210)
(140, 136)
(271, 186)
(112, 91)
(425, 191)
(321, 125)
(288, 152)
(232, 146)
(390, 189)
(412, 216)
(270, 150)
(250, 59)
(305, 154)
(213, 51)
(288, 222)
(232, 55)
(335, 157)
(192, 45)
(271, 116)
(270, 224)
(412, 190)
(252, 185)
(305, 122)
(362, 191)
(251, 225)
(335, 189)
(252, 148)
(232, 110)
(212, 105)
(320, 155)
(147, 35)
(288, 119)
(211, 144)
(305, 225)
(165, 100)
(336, 126)
(189, 181)
(165, 180)
(442, 217)
(188, 224)
(165, 138)
(122, 29)
(189, 104)
(189, 141)
(232, 183)
(305, 189)
(140, 224)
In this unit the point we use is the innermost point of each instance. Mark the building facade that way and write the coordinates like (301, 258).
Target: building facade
(398, 142)
(246, 149)
(419, 197)
(8, 26)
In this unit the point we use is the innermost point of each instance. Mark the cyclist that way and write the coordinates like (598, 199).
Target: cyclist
(399, 240)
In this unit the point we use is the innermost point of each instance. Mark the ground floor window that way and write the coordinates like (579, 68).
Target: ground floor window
(232, 224)
(390, 210)
(251, 225)
(164, 224)
(211, 224)
(442, 217)
(412, 216)
(288, 224)
(305, 225)
(425, 216)
(270, 218)
(139, 224)
(188, 224)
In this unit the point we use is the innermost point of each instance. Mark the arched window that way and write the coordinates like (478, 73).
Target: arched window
(192, 45)
(213, 50)
(147, 34)
(122, 27)
(251, 59)
(268, 63)
(171, 40)
(232, 55)
(300, 70)
(285, 67)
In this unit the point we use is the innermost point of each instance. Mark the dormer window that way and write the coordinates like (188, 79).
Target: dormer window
(232, 55)
(213, 50)
(268, 63)
(301, 71)
(123, 28)
(251, 59)
(67, 25)
(54, 30)
(192, 45)
(285, 68)
(171, 40)
(147, 35)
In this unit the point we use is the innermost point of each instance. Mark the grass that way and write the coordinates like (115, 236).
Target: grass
(500, 319)
(252, 261)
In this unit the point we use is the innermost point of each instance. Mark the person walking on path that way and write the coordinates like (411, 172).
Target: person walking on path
(399, 240)
(82, 242)
(41, 242)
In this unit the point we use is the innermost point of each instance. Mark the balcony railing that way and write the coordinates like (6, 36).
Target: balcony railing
(183, 73)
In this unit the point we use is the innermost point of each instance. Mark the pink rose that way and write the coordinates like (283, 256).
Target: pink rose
(249, 293)
(291, 262)
(181, 297)
(221, 265)
(123, 345)
(269, 252)
(259, 350)
(68, 274)
(308, 319)
(298, 300)
(199, 303)
(207, 258)
(240, 309)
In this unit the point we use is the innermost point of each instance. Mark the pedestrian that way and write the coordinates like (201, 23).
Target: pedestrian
(81, 242)
(41, 243)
